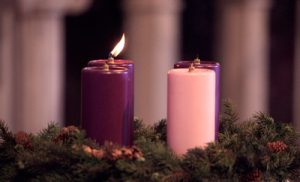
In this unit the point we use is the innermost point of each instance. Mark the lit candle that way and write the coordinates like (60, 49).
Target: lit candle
(106, 95)
(191, 108)
(120, 63)
(215, 66)
(111, 61)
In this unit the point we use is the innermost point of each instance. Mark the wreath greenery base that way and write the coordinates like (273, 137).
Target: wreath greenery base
(259, 149)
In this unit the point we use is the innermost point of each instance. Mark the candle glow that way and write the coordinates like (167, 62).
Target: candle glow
(119, 47)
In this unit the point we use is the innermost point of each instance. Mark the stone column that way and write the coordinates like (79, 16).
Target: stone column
(229, 31)
(153, 33)
(296, 107)
(244, 54)
(7, 32)
(38, 65)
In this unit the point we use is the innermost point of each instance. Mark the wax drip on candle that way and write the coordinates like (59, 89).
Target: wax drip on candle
(106, 67)
(191, 68)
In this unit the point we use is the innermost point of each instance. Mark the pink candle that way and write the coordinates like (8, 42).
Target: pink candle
(191, 108)
(215, 66)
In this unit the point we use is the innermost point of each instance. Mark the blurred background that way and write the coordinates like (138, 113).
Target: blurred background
(44, 44)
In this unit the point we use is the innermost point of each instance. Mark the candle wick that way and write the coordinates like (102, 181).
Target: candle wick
(111, 59)
(191, 68)
(197, 60)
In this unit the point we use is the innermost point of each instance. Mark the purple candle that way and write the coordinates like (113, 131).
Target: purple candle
(130, 66)
(107, 99)
(105, 104)
(215, 66)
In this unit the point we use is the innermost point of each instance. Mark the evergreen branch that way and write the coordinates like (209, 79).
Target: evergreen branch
(259, 149)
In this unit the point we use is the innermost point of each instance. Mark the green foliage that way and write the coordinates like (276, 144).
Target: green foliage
(259, 148)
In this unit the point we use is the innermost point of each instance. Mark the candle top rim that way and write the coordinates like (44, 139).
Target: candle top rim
(202, 63)
(114, 69)
(185, 71)
(117, 61)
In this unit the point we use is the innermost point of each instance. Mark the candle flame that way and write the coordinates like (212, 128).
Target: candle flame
(119, 47)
